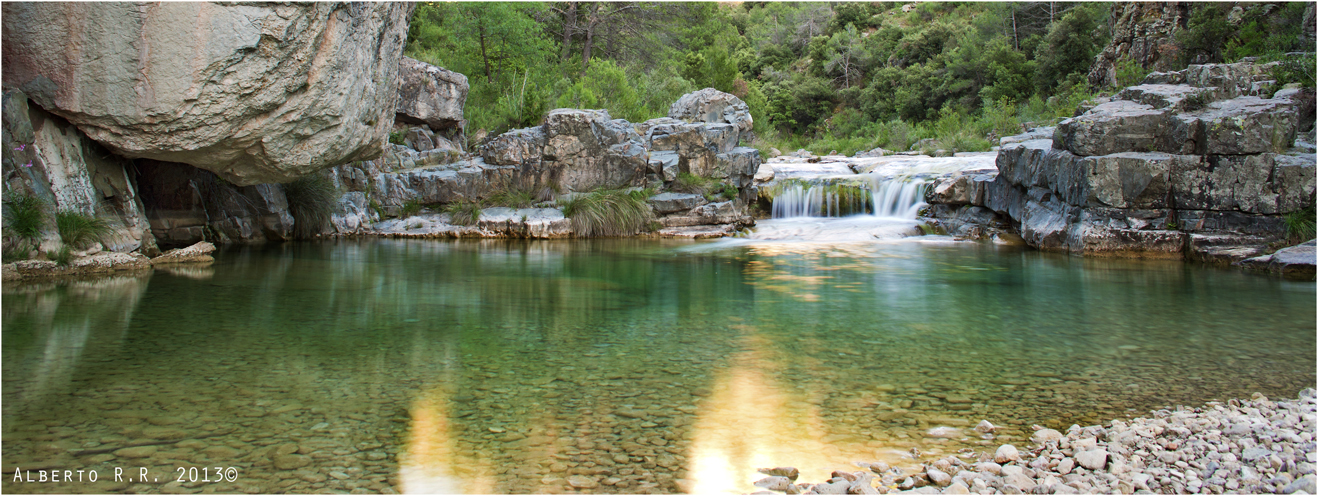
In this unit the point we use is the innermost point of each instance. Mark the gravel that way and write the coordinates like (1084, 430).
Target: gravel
(1242, 446)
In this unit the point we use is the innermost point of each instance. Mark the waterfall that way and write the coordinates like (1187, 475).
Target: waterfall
(900, 197)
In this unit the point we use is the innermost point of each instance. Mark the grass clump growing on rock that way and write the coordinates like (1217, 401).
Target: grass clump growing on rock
(1300, 225)
(609, 212)
(77, 229)
(24, 216)
(464, 212)
(311, 201)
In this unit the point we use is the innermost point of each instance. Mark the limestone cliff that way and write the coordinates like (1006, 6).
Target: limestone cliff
(255, 93)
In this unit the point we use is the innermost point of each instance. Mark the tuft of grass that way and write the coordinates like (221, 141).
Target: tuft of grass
(24, 216)
(62, 256)
(311, 201)
(514, 198)
(464, 212)
(411, 207)
(690, 183)
(78, 229)
(19, 250)
(609, 213)
(1300, 225)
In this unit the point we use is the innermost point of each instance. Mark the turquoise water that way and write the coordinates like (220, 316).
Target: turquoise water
(613, 366)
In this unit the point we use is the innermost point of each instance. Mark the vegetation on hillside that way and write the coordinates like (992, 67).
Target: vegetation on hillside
(838, 76)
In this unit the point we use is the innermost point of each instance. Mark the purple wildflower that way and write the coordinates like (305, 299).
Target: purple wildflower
(21, 147)
(28, 164)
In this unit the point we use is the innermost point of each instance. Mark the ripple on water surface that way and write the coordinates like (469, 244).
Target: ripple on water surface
(623, 366)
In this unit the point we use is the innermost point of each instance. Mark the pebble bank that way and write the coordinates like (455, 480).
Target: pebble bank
(1256, 446)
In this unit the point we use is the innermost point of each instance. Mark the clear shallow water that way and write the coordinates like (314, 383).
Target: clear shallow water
(642, 365)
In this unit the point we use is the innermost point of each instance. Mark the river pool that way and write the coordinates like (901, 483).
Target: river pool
(615, 366)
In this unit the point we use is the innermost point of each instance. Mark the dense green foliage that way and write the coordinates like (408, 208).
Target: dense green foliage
(77, 229)
(824, 76)
(311, 201)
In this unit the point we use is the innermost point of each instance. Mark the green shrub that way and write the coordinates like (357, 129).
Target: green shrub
(397, 138)
(311, 201)
(1129, 72)
(77, 229)
(464, 212)
(1300, 225)
(609, 213)
(24, 216)
(690, 183)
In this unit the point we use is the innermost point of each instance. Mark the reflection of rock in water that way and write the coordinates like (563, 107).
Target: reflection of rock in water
(82, 318)
(200, 272)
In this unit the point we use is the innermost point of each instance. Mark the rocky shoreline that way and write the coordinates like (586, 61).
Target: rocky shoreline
(1253, 446)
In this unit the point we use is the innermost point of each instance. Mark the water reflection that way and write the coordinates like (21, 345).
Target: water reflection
(617, 366)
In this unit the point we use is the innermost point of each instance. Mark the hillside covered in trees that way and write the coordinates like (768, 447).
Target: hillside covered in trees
(838, 76)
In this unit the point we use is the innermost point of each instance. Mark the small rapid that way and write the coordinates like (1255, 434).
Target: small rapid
(900, 197)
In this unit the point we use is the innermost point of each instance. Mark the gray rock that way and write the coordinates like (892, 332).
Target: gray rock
(791, 473)
(197, 253)
(774, 483)
(712, 106)
(257, 94)
(1046, 435)
(938, 477)
(667, 203)
(1296, 262)
(1006, 454)
(430, 95)
(1305, 484)
(1114, 127)
(1092, 459)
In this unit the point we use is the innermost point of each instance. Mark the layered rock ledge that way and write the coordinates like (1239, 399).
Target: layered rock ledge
(1193, 165)
(1253, 446)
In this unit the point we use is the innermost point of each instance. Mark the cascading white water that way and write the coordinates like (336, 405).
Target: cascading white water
(899, 197)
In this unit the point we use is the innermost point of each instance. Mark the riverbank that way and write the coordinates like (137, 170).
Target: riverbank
(1253, 446)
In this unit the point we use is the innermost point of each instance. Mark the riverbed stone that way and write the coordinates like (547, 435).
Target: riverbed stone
(291, 462)
(1006, 454)
(1092, 459)
(136, 452)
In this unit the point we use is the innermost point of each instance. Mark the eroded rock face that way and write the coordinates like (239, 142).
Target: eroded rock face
(187, 205)
(431, 95)
(712, 106)
(46, 157)
(257, 93)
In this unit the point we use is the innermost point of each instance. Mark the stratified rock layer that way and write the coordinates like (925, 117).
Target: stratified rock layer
(257, 93)
(1193, 164)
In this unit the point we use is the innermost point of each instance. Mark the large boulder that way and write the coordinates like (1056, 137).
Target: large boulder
(586, 149)
(713, 106)
(256, 93)
(430, 95)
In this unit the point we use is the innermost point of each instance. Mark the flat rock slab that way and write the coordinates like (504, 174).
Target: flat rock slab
(1296, 262)
(699, 232)
(667, 203)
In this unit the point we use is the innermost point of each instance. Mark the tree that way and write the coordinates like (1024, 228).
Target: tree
(1069, 48)
(845, 51)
